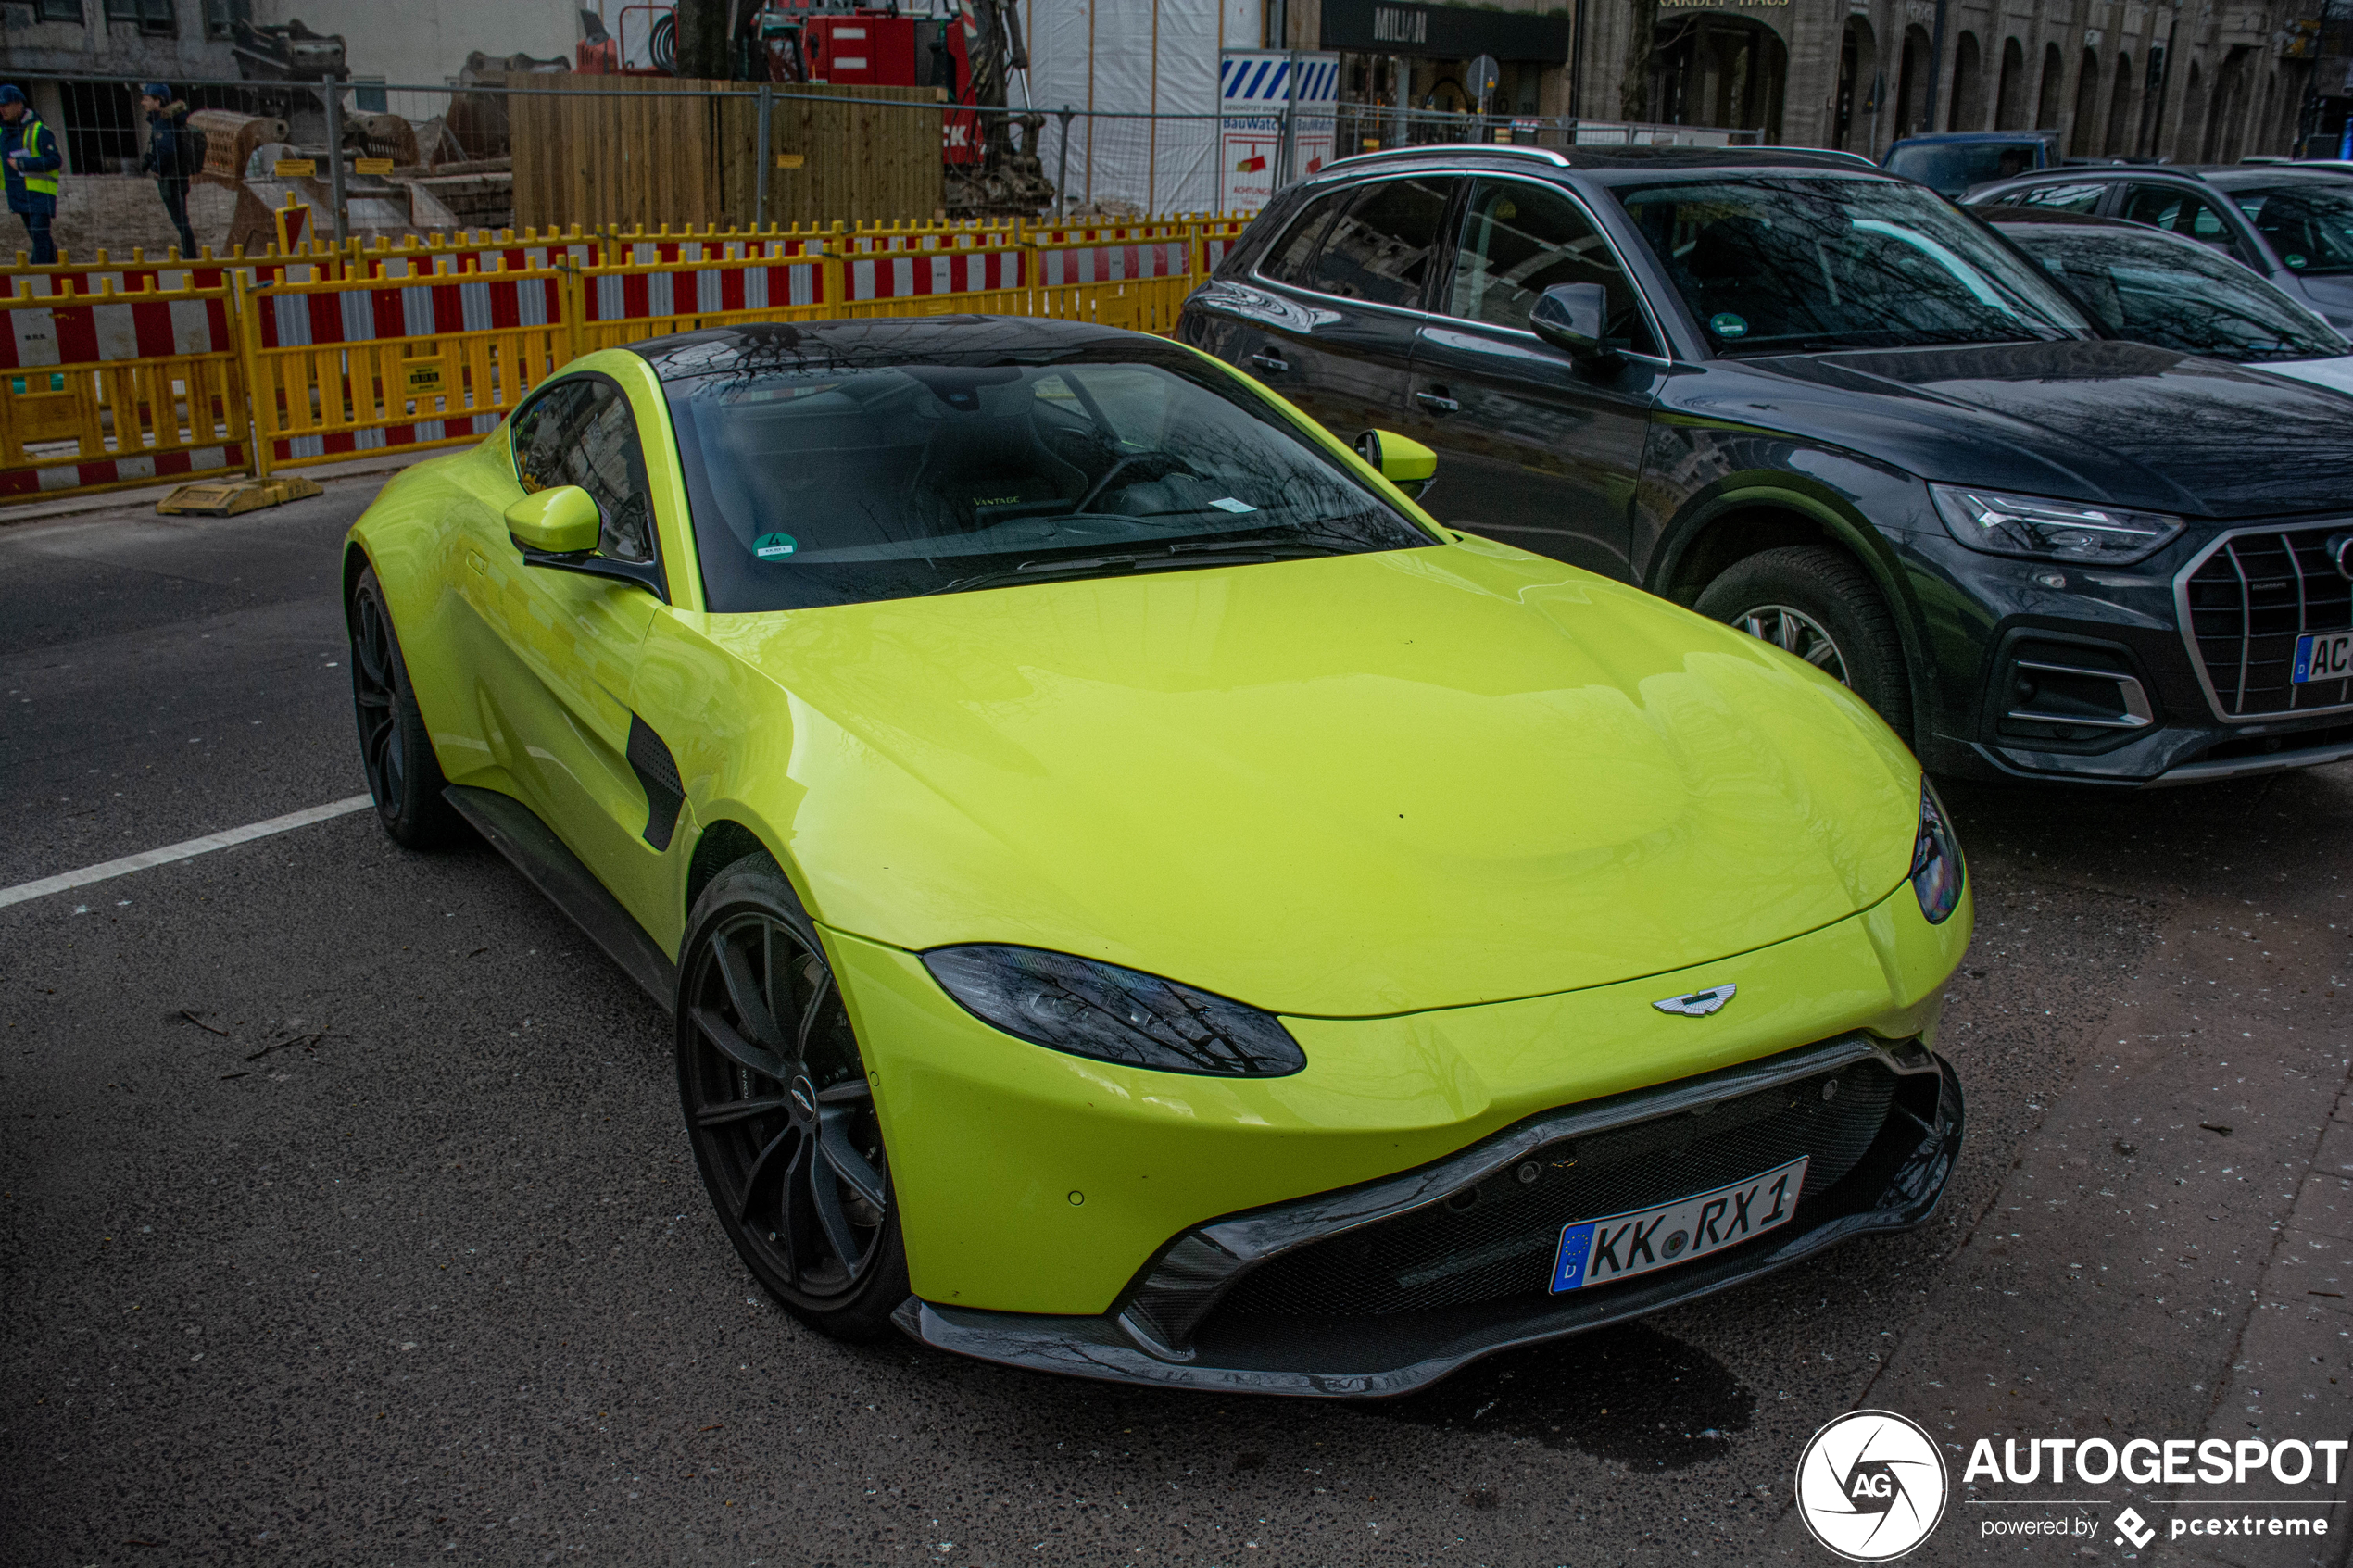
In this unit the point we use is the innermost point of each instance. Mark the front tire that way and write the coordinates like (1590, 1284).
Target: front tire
(1820, 605)
(780, 1109)
(394, 746)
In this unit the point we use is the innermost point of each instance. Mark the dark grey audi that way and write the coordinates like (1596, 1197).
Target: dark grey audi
(1824, 404)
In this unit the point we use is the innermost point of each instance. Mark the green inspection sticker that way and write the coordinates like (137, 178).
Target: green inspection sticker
(2294, 259)
(770, 547)
(1725, 324)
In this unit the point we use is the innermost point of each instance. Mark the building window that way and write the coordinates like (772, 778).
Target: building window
(58, 11)
(220, 17)
(152, 16)
(367, 93)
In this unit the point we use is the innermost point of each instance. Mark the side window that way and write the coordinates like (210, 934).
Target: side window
(1519, 240)
(540, 430)
(2064, 198)
(1292, 260)
(581, 433)
(2162, 207)
(1384, 246)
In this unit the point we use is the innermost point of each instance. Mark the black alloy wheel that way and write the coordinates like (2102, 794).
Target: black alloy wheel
(1820, 605)
(779, 1107)
(396, 749)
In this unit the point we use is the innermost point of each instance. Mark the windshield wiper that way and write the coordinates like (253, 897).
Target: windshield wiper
(1190, 552)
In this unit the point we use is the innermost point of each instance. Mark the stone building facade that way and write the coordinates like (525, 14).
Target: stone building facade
(2192, 80)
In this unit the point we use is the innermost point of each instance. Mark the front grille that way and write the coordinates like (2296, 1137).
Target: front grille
(1497, 1239)
(2246, 604)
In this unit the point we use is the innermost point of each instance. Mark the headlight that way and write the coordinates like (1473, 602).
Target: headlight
(1113, 1014)
(2002, 524)
(1936, 862)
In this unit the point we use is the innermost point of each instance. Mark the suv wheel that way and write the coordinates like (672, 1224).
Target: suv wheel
(1817, 603)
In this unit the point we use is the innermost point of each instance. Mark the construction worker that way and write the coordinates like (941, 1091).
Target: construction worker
(30, 159)
(168, 149)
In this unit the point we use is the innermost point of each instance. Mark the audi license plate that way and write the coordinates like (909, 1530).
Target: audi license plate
(2322, 655)
(1596, 1251)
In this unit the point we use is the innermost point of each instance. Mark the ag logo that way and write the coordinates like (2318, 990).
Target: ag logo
(1871, 1486)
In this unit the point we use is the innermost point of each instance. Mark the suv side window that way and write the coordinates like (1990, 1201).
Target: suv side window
(2178, 212)
(1384, 247)
(580, 432)
(2078, 197)
(1519, 240)
(1292, 259)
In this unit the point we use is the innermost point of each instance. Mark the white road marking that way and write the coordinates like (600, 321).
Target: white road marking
(23, 891)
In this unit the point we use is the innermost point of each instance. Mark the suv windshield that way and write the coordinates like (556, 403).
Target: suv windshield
(1951, 167)
(2176, 295)
(1772, 265)
(2310, 224)
(836, 481)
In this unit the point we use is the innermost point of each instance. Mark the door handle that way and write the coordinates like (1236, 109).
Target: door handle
(1266, 359)
(1438, 400)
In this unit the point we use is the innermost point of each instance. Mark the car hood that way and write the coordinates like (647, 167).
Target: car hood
(2092, 420)
(2337, 373)
(1345, 787)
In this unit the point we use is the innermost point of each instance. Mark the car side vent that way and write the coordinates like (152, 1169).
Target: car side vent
(657, 771)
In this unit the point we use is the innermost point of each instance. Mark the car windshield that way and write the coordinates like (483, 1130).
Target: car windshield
(2176, 295)
(817, 480)
(2310, 224)
(1772, 265)
(1950, 168)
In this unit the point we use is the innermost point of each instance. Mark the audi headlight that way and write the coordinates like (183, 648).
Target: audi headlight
(1113, 1014)
(1936, 862)
(2097, 534)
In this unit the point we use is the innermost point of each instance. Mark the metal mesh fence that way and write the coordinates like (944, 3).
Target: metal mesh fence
(421, 160)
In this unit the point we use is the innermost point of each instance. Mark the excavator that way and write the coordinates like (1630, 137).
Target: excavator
(974, 51)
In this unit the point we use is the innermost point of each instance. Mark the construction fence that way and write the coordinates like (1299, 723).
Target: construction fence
(117, 374)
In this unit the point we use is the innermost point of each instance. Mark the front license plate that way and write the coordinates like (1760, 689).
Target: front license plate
(2322, 655)
(1596, 1251)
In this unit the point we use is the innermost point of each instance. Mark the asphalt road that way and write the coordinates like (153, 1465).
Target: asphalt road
(346, 1216)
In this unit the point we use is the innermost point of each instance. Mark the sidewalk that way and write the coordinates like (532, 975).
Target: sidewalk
(144, 497)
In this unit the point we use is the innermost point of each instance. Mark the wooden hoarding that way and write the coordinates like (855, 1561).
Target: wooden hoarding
(637, 151)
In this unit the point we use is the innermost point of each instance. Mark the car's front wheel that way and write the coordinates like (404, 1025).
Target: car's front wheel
(394, 746)
(1818, 603)
(780, 1109)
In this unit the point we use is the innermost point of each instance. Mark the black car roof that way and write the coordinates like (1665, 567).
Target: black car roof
(806, 346)
(1612, 165)
(2240, 178)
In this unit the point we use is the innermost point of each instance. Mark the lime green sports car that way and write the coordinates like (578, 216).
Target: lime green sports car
(1137, 897)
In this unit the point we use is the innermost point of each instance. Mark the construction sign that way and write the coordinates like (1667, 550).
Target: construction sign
(1255, 90)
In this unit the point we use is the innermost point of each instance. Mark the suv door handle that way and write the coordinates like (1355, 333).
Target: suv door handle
(1266, 359)
(1438, 400)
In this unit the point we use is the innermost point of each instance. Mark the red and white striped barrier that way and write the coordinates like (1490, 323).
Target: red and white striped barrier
(292, 316)
(1114, 263)
(634, 294)
(913, 273)
(137, 467)
(111, 329)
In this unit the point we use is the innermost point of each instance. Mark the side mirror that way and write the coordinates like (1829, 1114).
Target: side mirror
(1406, 463)
(561, 522)
(1574, 317)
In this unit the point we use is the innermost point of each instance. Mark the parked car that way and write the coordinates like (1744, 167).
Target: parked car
(1136, 896)
(1823, 404)
(2212, 208)
(2153, 287)
(1950, 162)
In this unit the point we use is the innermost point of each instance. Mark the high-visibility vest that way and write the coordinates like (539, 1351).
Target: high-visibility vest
(33, 130)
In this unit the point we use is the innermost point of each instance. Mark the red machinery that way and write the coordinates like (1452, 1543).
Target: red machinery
(971, 54)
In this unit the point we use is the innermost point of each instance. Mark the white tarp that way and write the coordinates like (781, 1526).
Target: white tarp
(1133, 57)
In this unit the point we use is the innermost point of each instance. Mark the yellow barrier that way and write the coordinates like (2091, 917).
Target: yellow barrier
(106, 389)
(769, 280)
(378, 365)
(333, 351)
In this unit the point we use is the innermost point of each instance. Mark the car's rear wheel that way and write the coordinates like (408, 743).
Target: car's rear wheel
(1820, 605)
(395, 747)
(780, 1109)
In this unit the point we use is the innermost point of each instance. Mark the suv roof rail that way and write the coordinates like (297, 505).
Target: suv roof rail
(1458, 149)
